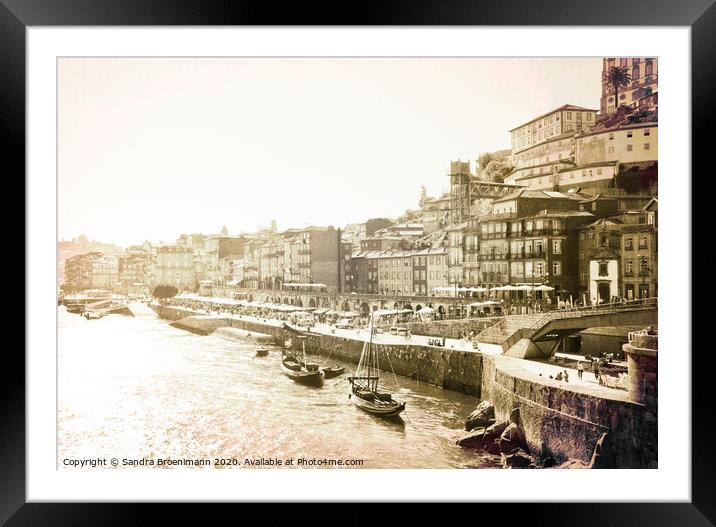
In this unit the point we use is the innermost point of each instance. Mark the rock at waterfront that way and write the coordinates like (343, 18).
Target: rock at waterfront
(497, 429)
(513, 437)
(492, 437)
(549, 462)
(574, 464)
(481, 416)
(602, 458)
(518, 458)
(516, 417)
(473, 439)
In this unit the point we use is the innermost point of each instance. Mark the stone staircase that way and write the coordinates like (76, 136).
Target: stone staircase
(506, 327)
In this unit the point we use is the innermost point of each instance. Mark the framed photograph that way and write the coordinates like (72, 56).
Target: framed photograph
(410, 256)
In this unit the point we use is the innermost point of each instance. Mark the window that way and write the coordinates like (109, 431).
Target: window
(642, 243)
(556, 268)
(610, 150)
(611, 136)
(649, 67)
(589, 117)
(629, 291)
(630, 134)
(628, 267)
(629, 148)
(644, 265)
(603, 269)
(569, 115)
(628, 244)
(647, 132)
(646, 146)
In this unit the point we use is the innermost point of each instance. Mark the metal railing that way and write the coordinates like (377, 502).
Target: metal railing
(597, 309)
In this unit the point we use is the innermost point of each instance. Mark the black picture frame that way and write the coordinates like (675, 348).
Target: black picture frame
(699, 15)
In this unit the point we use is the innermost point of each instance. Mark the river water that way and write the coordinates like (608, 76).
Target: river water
(136, 388)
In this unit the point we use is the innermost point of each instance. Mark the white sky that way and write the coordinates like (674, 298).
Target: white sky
(152, 148)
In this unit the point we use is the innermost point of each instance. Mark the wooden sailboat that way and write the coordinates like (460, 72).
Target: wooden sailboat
(301, 371)
(329, 371)
(365, 393)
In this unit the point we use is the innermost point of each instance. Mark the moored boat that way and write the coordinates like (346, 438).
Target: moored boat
(262, 352)
(365, 393)
(332, 371)
(301, 371)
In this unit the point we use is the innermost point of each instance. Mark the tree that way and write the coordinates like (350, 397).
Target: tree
(165, 291)
(617, 77)
(68, 288)
(496, 171)
(484, 159)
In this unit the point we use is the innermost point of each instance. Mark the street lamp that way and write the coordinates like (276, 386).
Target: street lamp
(643, 269)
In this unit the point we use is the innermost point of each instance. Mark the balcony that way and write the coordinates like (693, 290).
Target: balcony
(494, 235)
(541, 232)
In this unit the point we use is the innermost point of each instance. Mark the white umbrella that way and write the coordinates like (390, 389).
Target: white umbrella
(426, 309)
(544, 287)
(524, 288)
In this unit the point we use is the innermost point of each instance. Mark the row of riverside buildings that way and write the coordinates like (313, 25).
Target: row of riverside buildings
(578, 212)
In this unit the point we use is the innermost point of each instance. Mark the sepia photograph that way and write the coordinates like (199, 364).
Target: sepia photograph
(357, 263)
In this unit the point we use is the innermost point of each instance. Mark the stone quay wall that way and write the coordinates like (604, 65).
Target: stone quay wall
(566, 423)
(558, 422)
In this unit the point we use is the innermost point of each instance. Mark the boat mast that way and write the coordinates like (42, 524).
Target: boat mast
(372, 361)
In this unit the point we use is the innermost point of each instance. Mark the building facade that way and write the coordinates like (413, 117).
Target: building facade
(175, 266)
(562, 120)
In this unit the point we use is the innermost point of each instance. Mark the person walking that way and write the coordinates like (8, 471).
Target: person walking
(597, 372)
(580, 369)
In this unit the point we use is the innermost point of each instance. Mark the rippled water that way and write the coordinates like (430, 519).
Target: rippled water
(135, 387)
